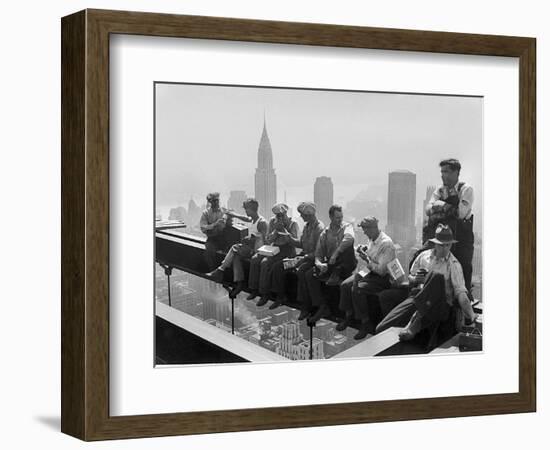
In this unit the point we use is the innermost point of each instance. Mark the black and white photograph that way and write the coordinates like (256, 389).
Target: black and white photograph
(307, 224)
(272, 225)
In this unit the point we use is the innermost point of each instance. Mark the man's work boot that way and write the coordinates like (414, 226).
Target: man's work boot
(413, 327)
(216, 275)
(343, 324)
(321, 312)
(275, 304)
(364, 331)
(263, 300)
(334, 279)
(237, 289)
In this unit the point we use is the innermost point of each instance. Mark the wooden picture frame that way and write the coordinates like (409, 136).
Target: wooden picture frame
(85, 224)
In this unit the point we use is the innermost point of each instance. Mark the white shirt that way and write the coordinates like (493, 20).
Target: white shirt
(381, 251)
(449, 267)
(253, 231)
(465, 198)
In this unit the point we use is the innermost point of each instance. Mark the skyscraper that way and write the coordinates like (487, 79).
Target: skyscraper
(236, 199)
(193, 216)
(429, 191)
(292, 344)
(289, 341)
(265, 180)
(318, 347)
(323, 197)
(401, 207)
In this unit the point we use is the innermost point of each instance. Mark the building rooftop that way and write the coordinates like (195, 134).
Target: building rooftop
(402, 171)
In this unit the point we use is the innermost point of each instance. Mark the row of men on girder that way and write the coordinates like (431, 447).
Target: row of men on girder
(439, 276)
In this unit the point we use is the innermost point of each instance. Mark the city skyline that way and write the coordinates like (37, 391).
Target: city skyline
(355, 138)
(399, 216)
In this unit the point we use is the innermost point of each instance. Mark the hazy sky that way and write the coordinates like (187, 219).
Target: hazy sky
(207, 139)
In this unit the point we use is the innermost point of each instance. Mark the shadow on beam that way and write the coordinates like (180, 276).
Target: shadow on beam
(175, 345)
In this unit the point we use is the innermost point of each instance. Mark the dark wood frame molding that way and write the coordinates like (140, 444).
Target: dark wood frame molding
(85, 224)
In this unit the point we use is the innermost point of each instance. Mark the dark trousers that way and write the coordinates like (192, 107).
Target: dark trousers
(212, 245)
(464, 252)
(390, 298)
(433, 290)
(398, 316)
(278, 275)
(302, 294)
(260, 275)
(358, 295)
(464, 248)
(314, 284)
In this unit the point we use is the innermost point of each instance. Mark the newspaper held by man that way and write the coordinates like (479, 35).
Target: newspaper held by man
(395, 269)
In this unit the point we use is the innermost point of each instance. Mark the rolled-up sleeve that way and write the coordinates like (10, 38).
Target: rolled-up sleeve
(387, 254)
(434, 198)
(317, 234)
(347, 239)
(204, 222)
(320, 249)
(262, 228)
(309, 241)
(457, 279)
(270, 237)
(466, 202)
(294, 230)
(416, 265)
(421, 262)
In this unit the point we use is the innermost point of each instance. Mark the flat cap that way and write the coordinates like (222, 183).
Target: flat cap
(212, 196)
(279, 208)
(307, 208)
(368, 221)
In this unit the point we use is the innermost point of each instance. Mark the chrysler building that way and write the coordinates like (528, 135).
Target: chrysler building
(265, 178)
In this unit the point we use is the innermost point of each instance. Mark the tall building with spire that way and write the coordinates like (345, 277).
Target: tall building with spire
(323, 197)
(265, 180)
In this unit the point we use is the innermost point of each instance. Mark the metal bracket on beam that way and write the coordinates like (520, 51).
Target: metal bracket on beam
(229, 290)
(232, 315)
(311, 326)
(168, 272)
